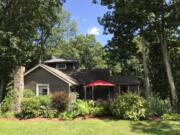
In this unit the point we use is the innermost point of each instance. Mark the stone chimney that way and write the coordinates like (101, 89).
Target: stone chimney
(19, 88)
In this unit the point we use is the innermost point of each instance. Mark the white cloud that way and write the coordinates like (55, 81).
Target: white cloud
(84, 20)
(94, 31)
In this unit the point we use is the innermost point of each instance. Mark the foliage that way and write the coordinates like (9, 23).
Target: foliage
(82, 108)
(128, 106)
(67, 115)
(83, 48)
(173, 117)
(60, 101)
(21, 26)
(156, 106)
(28, 93)
(101, 109)
(36, 107)
(151, 20)
(0, 114)
(78, 108)
(7, 103)
(8, 114)
(61, 28)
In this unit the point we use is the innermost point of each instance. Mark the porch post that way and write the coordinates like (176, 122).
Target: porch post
(138, 91)
(119, 88)
(109, 94)
(92, 93)
(85, 93)
(128, 88)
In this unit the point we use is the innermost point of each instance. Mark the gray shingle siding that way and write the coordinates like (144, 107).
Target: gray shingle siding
(41, 76)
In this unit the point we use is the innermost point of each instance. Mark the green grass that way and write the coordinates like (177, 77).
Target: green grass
(90, 127)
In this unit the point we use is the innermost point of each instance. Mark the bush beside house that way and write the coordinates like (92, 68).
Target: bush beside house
(36, 107)
(155, 106)
(60, 101)
(127, 106)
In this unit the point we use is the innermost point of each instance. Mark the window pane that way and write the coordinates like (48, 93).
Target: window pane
(61, 66)
(43, 90)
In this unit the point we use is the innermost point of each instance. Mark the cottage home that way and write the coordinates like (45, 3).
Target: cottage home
(62, 75)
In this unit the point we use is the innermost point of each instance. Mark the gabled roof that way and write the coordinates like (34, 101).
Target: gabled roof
(59, 74)
(87, 76)
(60, 60)
(125, 80)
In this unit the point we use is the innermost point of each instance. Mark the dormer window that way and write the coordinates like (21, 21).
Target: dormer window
(61, 66)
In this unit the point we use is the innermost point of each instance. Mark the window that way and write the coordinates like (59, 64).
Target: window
(61, 66)
(42, 89)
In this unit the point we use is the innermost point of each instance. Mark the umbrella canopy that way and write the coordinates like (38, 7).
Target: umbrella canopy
(99, 83)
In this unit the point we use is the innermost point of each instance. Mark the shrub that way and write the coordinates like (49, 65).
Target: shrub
(128, 106)
(36, 107)
(1, 114)
(7, 103)
(78, 108)
(67, 115)
(83, 108)
(173, 117)
(60, 101)
(8, 115)
(155, 106)
(101, 109)
(28, 93)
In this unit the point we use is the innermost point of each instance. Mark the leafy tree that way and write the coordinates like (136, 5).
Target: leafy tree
(126, 19)
(85, 49)
(20, 22)
(60, 29)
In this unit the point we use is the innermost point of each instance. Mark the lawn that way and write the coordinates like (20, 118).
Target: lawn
(90, 127)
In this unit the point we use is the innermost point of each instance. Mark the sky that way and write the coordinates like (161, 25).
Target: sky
(85, 13)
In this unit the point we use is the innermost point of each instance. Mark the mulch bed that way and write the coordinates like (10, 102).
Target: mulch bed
(31, 120)
(76, 119)
(154, 118)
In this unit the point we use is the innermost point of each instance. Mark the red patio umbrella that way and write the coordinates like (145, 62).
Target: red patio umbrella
(97, 83)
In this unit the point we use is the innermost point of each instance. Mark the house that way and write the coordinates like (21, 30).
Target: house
(44, 80)
(62, 75)
(64, 65)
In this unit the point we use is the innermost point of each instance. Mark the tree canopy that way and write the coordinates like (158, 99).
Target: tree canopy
(83, 48)
(20, 23)
(156, 21)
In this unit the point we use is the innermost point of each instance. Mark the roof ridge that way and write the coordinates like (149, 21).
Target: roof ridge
(56, 73)
(65, 76)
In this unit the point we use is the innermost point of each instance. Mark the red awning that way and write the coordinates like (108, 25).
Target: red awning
(99, 83)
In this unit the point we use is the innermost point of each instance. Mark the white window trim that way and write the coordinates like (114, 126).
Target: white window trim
(37, 88)
(65, 66)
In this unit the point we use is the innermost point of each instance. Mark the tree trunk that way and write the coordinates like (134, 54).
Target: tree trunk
(19, 88)
(169, 72)
(146, 70)
(1, 89)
